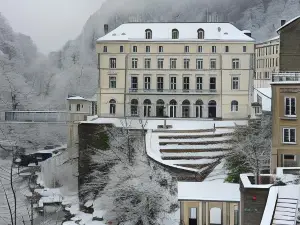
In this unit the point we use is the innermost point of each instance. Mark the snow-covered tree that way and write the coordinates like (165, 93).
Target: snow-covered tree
(131, 190)
(251, 149)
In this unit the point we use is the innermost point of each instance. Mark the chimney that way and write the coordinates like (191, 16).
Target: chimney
(282, 22)
(105, 29)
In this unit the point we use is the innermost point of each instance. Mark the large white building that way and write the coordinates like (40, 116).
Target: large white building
(267, 61)
(178, 70)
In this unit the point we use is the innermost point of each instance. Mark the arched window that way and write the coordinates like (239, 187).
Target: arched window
(199, 108)
(212, 109)
(173, 108)
(134, 107)
(160, 108)
(148, 34)
(200, 33)
(175, 34)
(147, 108)
(234, 106)
(186, 108)
(112, 107)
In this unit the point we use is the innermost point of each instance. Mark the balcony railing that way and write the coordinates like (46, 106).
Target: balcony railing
(286, 76)
(175, 91)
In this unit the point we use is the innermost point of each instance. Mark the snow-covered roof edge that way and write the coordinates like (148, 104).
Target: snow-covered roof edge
(76, 98)
(247, 184)
(287, 23)
(286, 82)
(264, 93)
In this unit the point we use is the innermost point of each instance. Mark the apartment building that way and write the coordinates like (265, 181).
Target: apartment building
(267, 62)
(285, 126)
(177, 70)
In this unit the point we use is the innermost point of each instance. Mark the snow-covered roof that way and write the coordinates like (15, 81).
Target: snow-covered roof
(274, 38)
(208, 191)
(187, 32)
(287, 23)
(76, 98)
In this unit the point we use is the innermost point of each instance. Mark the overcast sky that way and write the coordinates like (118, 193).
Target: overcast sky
(50, 23)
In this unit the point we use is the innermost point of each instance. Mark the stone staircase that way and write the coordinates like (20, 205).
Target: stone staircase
(285, 211)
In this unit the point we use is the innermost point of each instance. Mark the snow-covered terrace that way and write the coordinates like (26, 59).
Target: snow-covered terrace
(189, 145)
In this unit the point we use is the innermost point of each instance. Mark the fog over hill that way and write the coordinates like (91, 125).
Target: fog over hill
(73, 69)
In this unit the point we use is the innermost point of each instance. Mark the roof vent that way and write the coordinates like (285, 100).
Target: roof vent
(226, 33)
(114, 34)
(123, 34)
(219, 29)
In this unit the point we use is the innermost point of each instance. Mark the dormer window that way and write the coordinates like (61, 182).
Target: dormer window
(175, 34)
(200, 34)
(148, 34)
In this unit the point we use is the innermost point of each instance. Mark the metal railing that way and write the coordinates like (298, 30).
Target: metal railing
(160, 91)
(286, 76)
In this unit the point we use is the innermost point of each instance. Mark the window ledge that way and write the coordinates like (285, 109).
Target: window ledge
(289, 143)
(289, 118)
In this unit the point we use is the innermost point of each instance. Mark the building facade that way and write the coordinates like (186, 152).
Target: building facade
(267, 62)
(177, 70)
(285, 126)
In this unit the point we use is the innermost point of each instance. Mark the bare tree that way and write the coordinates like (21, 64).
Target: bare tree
(251, 148)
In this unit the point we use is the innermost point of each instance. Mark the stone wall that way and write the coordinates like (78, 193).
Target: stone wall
(252, 210)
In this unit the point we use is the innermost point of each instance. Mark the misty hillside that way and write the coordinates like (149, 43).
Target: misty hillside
(46, 82)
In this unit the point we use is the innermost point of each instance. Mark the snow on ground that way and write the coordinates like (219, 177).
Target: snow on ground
(192, 154)
(219, 173)
(210, 133)
(197, 140)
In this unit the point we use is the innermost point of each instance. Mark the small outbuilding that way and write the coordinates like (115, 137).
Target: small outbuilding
(206, 203)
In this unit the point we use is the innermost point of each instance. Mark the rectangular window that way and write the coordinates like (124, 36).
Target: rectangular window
(147, 49)
(173, 63)
(186, 83)
(273, 62)
(213, 49)
(290, 106)
(235, 83)
(235, 64)
(160, 84)
(289, 157)
(104, 48)
(289, 135)
(147, 83)
(186, 49)
(276, 49)
(200, 49)
(212, 84)
(112, 63)
(121, 48)
(199, 83)
(199, 64)
(134, 63)
(173, 83)
(160, 49)
(134, 83)
(78, 107)
(226, 48)
(186, 63)
(276, 61)
(112, 82)
(266, 75)
(244, 48)
(213, 64)
(273, 49)
(134, 48)
(147, 63)
(160, 63)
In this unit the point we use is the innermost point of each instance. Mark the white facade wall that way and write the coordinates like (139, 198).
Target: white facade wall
(267, 62)
(224, 73)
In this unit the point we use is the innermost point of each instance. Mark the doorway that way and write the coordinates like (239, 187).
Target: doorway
(172, 108)
(160, 107)
(212, 109)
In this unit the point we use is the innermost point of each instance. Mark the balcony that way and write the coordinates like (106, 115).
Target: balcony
(173, 91)
(286, 76)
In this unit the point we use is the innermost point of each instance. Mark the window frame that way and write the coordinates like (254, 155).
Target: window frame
(197, 63)
(210, 83)
(173, 85)
(112, 79)
(199, 85)
(244, 48)
(235, 81)
(147, 82)
(186, 63)
(186, 49)
(210, 64)
(148, 34)
(160, 63)
(186, 83)
(200, 49)
(112, 63)
(290, 107)
(121, 48)
(173, 63)
(136, 83)
(147, 63)
(175, 34)
(78, 107)
(234, 107)
(160, 83)
(105, 48)
(214, 49)
(226, 48)
(160, 49)
(289, 130)
(134, 48)
(148, 48)
(236, 64)
(134, 63)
